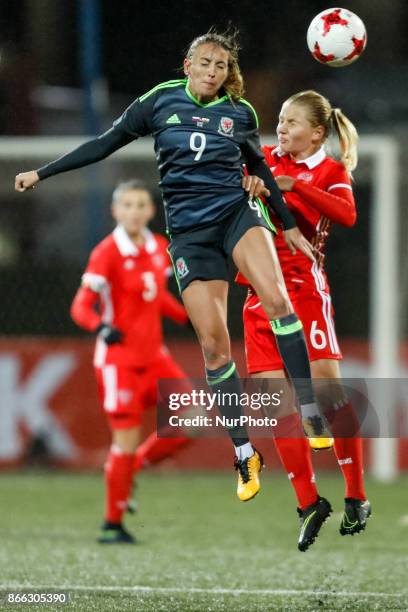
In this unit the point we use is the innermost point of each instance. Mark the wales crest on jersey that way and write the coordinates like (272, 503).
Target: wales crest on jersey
(181, 267)
(226, 126)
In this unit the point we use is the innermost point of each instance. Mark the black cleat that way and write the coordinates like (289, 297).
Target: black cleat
(115, 533)
(311, 520)
(356, 513)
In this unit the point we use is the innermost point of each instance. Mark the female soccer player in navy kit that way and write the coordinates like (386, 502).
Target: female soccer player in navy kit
(126, 277)
(318, 191)
(202, 128)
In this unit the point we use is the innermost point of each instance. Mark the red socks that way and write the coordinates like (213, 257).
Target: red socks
(349, 453)
(120, 467)
(118, 481)
(349, 450)
(155, 449)
(295, 456)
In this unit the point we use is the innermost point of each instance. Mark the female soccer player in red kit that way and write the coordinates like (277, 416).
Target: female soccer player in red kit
(122, 298)
(318, 192)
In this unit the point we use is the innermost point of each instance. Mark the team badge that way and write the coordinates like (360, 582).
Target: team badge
(181, 267)
(305, 176)
(129, 264)
(226, 126)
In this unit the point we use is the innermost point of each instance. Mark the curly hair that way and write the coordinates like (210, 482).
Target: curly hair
(228, 40)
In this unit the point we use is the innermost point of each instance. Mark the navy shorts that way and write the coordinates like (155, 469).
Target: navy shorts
(202, 253)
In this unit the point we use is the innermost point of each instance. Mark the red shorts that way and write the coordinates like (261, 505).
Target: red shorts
(126, 392)
(310, 297)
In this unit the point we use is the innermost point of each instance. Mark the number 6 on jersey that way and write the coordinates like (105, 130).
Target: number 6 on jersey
(317, 337)
(197, 148)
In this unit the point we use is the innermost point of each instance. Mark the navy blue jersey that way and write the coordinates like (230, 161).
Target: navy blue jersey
(199, 149)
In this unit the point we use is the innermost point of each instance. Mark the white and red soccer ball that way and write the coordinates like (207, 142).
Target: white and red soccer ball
(336, 37)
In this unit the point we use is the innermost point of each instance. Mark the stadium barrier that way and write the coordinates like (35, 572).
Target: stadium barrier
(49, 413)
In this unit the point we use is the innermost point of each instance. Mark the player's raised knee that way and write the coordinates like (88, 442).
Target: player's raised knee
(277, 306)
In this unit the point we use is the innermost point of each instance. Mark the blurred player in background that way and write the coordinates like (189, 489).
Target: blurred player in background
(122, 299)
(202, 127)
(318, 192)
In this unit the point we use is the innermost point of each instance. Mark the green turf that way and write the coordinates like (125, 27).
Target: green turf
(194, 534)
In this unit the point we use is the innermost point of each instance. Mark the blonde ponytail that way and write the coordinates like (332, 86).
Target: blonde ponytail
(348, 138)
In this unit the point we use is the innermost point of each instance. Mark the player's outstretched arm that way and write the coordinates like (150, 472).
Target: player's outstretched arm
(134, 122)
(88, 153)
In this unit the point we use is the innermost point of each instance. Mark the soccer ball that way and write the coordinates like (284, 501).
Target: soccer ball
(336, 37)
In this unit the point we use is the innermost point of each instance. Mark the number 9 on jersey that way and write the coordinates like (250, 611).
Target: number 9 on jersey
(197, 144)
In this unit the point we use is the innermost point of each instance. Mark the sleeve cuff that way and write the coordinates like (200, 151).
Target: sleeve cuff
(43, 173)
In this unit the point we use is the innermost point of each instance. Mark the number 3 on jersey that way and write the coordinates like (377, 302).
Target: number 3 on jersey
(150, 286)
(197, 144)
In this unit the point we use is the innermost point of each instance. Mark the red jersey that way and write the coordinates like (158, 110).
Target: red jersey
(130, 285)
(321, 195)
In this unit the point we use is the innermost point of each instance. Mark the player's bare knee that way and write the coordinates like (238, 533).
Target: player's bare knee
(125, 440)
(216, 350)
(277, 306)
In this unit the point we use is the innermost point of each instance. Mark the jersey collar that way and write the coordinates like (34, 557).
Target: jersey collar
(127, 247)
(198, 103)
(311, 162)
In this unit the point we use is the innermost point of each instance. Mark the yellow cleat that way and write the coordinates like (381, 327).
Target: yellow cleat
(318, 444)
(248, 476)
(317, 432)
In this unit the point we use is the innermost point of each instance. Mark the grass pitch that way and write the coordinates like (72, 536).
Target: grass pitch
(200, 548)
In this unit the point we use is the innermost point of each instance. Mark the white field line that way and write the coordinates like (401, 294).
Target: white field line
(214, 591)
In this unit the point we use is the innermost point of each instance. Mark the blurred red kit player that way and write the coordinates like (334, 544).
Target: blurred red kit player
(129, 283)
(122, 298)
